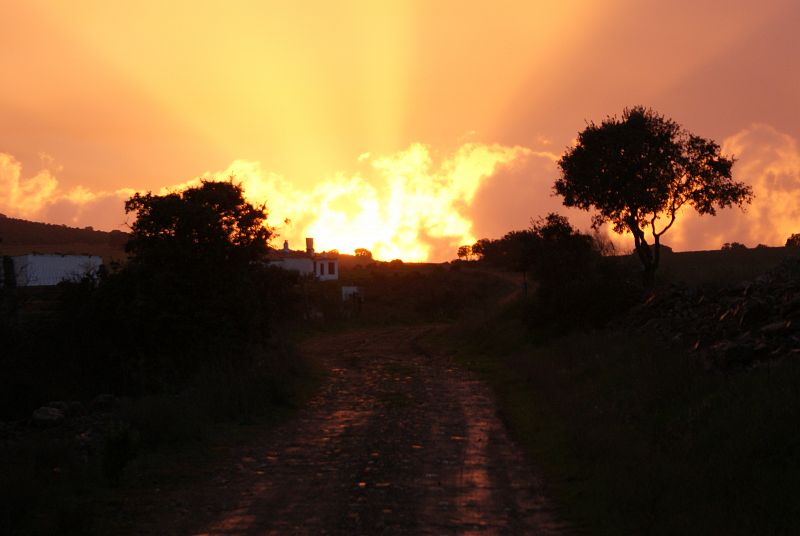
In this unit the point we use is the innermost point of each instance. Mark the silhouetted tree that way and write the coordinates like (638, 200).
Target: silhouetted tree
(479, 248)
(732, 246)
(194, 286)
(464, 252)
(558, 252)
(575, 285)
(516, 250)
(793, 241)
(210, 223)
(639, 170)
(363, 253)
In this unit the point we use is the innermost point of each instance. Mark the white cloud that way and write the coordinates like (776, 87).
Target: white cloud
(769, 161)
(39, 197)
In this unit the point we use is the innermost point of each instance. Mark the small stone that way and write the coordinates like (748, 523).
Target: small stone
(58, 404)
(103, 402)
(776, 327)
(47, 416)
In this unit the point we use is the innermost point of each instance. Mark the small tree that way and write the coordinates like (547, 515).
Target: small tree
(210, 224)
(480, 248)
(733, 246)
(639, 170)
(194, 276)
(515, 251)
(363, 253)
(464, 252)
(793, 241)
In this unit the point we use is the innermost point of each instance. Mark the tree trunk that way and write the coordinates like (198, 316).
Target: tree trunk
(645, 254)
(649, 276)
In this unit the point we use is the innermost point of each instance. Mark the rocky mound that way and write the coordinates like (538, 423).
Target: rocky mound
(730, 326)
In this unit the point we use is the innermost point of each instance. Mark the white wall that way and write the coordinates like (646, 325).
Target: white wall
(47, 270)
(306, 265)
(324, 272)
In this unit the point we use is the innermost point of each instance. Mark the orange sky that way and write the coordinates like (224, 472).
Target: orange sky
(404, 127)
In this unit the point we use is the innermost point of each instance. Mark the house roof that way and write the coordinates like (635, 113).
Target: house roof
(278, 254)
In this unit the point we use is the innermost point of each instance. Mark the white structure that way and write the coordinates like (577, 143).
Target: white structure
(323, 267)
(35, 270)
(352, 293)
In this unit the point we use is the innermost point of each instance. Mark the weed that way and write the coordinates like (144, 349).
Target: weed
(634, 437)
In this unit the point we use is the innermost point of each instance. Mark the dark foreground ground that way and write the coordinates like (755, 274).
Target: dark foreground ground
(396, 441)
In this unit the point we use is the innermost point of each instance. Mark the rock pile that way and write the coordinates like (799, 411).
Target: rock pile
(78, 431)
(731, 326)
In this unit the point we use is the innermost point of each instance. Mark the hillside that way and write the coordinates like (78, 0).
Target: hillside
(19, 236)
(721, 267)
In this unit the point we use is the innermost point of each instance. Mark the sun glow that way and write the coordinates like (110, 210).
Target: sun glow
(405, 205)
(319, 108)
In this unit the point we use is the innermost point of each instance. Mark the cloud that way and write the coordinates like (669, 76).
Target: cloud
(39, 197)
(518, 191)
(23, 196)
(766, 159)
(418, 204)
(413, 204)
(769, 161)
(410, 205)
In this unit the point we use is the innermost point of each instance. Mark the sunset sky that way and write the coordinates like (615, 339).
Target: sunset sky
(404, 127)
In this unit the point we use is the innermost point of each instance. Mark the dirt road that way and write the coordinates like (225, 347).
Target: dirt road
(395, 442)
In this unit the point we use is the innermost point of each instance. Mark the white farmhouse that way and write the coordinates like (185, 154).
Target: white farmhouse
(34, 270)
(322, 266)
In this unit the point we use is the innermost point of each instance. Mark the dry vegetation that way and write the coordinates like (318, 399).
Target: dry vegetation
(638, 433)
(635, 433)
(20, 237)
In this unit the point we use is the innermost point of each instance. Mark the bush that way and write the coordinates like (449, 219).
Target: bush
(271, 379)
(40, 476)
(577, 287)
(733, 246)
(601, 290)
(121, 444)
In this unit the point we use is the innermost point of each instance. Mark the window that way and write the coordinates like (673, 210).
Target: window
(322, 268)
(331, 268)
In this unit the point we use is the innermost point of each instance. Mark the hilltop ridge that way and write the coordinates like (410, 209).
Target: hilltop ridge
(18, 236)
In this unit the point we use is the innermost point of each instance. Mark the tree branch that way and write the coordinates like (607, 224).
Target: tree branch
(673, 212)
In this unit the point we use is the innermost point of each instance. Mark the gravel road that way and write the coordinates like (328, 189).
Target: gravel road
(396, 441)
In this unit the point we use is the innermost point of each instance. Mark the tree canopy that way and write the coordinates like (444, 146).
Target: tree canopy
(574, 282)
(210, 223)
(193, 280)
(363, 253)
(639, 171)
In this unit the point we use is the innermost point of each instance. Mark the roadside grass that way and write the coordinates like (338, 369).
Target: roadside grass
(48, 485)
(411, 293)
(635, 437)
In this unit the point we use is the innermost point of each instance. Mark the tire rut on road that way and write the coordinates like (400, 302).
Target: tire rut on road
(396, 441)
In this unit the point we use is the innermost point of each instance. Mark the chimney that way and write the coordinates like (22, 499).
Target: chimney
(310, 246)
(286, 246)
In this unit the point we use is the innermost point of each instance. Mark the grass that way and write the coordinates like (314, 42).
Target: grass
(49, 486)
(634, 437)
(422, 293)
